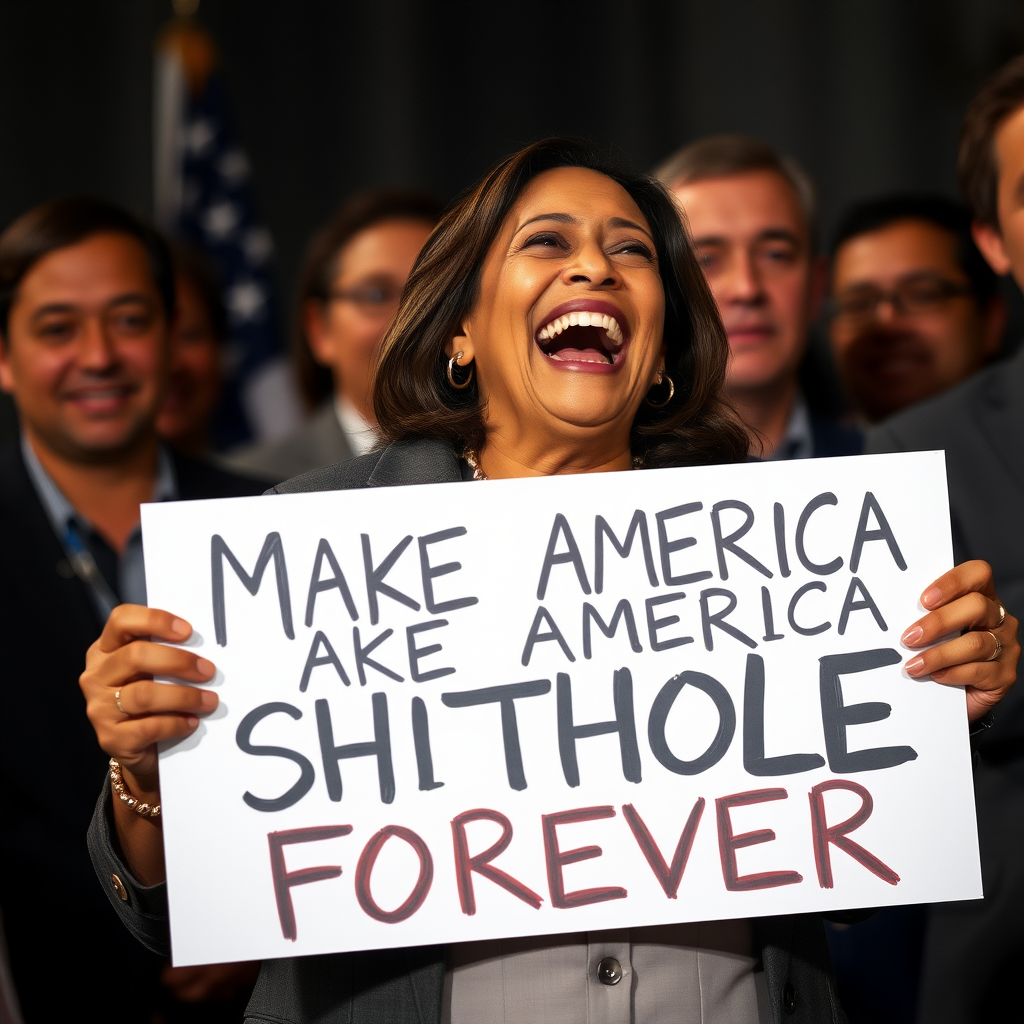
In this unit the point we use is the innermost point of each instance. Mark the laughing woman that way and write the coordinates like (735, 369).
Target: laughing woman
(557, 321)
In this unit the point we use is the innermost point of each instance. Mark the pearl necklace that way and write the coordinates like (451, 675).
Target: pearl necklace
(478, 474)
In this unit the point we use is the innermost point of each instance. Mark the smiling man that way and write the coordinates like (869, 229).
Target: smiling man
(915, 307)
(752, 216)
(86, 301)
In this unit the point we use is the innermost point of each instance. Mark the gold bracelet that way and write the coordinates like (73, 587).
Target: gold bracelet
(117, 784)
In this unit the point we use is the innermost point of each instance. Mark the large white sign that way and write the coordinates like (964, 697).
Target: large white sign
(455, 712)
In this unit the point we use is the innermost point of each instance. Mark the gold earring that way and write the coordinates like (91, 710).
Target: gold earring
(452, 363)
(662, 377)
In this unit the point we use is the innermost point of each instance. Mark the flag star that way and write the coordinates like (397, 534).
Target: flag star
(257, 245)
(245, 300)
(221, 219)
(234, 166)
(199, 136)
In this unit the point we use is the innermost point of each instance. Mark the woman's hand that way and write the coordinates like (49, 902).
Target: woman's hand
(983, 658)
(119, 667)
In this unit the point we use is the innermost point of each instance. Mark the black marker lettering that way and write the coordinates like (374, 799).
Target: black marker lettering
(638, 524)
(243, 737)
(334, 582)
(431, 572)
(828, 498)
(272, 548)
(623, 611)
(836, 716)
(379, 747)
(624, 724)
(505, 696)
(375, 578)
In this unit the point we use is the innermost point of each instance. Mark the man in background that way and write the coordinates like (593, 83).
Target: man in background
(86, 302)
(915, 308)
(971, 970)
(752, 215)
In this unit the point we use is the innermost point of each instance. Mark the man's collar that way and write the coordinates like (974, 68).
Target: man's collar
(798, 441)
(60, 511)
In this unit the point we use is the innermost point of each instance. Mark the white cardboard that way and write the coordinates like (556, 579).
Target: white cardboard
(221, 887)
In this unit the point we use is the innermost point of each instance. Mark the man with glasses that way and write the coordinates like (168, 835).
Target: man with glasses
(915, 308)
(355, 269)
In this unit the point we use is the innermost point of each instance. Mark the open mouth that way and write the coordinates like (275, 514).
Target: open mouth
(583, 336)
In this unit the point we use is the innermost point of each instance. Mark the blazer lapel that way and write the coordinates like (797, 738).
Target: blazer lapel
(425, 461)
(1000, 415)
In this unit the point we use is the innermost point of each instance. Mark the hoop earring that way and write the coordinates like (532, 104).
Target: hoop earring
(452, 363)
(671, 391)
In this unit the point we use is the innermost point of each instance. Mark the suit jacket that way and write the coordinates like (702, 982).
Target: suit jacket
(47, 621)
(980, 424)
(405, 985)
(971, 967)
(829, 438)
(320, 442)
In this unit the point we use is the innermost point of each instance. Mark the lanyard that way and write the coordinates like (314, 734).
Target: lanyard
(87, 570)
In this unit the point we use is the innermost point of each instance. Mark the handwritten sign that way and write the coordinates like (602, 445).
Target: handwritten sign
(455, 712)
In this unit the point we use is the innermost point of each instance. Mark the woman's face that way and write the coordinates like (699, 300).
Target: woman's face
(344, 332)
(566, 332)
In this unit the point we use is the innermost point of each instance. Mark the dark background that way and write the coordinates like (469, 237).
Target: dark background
(333, 96)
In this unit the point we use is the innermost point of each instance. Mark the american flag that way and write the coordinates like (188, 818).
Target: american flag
(204, 195)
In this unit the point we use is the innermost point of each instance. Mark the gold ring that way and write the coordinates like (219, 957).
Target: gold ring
(999, 646)
(117, 698)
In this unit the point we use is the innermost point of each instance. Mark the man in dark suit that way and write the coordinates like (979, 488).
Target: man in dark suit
(86, 298)
(752, 215)
(972, 950)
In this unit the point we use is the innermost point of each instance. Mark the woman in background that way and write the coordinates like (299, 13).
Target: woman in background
(355, 269)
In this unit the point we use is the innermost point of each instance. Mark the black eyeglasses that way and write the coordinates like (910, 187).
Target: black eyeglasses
(372, 298)
(914, 297)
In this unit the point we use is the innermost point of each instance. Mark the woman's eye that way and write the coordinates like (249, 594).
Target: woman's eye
(636, 249)
(545, 240)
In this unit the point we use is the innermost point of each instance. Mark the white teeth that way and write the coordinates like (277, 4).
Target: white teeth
(583, 319)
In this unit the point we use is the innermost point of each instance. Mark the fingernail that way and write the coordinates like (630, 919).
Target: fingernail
(208, 698)
(193, 720)
(912, 635)
(931, 597)
(207, 668)
(914, 666)
(179, 627)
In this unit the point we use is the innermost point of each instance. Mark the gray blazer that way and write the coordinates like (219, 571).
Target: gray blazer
(393, 986)
(319, 442)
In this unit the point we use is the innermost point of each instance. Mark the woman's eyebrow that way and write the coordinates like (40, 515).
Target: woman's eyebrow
(565, 218)
(621, 222)
(562, 218)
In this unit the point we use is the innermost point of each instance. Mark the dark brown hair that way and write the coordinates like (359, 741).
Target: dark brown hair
(66, 222)
(977, 167)
(320, 267)
(412, 397)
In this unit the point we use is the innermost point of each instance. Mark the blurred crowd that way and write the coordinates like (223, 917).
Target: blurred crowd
(112, 344)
